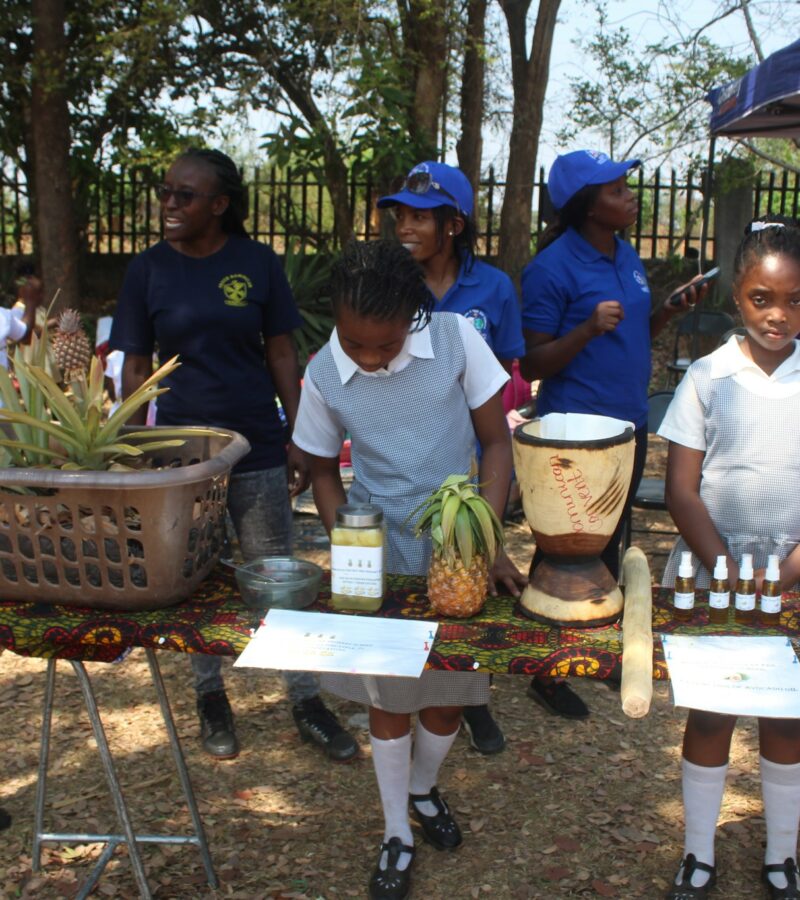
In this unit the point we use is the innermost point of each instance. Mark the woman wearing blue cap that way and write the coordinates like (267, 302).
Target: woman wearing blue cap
(433, 221)
(587, 313)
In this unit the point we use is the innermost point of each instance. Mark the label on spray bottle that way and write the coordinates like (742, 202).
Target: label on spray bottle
(719, 599)
(770, 604)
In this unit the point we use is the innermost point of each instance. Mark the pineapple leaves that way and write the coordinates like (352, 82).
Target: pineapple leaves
(449, 511)
(464, 540)
(461, 522)
(56, 427)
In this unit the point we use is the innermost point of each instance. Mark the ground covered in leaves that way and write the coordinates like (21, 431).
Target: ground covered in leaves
(570, 809)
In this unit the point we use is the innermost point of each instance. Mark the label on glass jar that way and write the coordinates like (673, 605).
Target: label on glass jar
(770, 604)
(745, 602)
(357, 571)
(719, 599)
(684, 601)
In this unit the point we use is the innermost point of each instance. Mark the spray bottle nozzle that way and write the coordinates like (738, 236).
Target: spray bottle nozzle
(773, 572)
(721, 568)
(685, 569)
(746, 568)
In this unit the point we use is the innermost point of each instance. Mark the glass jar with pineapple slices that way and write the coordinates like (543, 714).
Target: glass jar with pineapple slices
(358, 552)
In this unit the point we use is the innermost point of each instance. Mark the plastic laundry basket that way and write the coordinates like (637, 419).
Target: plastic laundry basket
(117, 540)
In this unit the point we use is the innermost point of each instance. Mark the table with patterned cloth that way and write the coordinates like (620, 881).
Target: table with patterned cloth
(214, 620)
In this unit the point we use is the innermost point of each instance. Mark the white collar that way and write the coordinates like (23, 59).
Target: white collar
(730, 359)
(417, 344)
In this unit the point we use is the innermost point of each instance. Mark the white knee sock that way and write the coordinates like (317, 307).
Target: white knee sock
(392, 761)
(780, 788)
(703, 787)
(430, 751)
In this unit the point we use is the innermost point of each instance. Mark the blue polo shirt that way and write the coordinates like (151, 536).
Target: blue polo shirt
(561, 287)
(486, 297)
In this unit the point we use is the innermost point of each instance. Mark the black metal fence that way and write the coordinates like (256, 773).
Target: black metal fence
(290, 206)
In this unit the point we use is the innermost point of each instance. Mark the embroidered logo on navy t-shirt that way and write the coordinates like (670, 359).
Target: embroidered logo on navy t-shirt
(235, 288)
(639, 278)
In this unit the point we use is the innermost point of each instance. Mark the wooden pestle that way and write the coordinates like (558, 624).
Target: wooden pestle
(636, 691)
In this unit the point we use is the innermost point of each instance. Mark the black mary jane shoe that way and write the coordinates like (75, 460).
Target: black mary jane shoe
(789, 869)
(441, 830)
(391, 883)
(685, 890)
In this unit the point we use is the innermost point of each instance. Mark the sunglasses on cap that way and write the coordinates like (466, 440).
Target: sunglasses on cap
(183, 196)
(422, 182)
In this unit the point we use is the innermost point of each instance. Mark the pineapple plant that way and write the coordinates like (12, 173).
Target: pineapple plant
(466, 535)
(64, 428)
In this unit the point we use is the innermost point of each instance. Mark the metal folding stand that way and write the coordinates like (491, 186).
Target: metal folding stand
(128, 835)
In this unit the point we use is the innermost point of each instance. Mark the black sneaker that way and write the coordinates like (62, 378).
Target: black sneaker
(484, 733)
(217, 732)
(318, 724)
(558, 698)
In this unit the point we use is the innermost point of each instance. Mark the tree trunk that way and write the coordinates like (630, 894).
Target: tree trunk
(529, 75)
(58, 247)
(470, 144)
(424, 26)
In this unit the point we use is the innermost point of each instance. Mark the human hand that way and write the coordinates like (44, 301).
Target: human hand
(688, 295)
(606, 316)
(29, 290)
(758, 576)
(504, 571)
(298, 470)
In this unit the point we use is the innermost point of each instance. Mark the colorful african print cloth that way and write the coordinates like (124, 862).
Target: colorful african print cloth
(500, 639)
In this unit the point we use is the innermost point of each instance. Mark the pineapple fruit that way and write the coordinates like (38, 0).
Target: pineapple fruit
(71, 347)
(466, 535)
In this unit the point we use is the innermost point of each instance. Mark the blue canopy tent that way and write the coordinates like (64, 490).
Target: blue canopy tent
(764, 102)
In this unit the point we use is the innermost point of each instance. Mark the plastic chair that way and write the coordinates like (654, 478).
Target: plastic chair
(650, 493)
(701, 330)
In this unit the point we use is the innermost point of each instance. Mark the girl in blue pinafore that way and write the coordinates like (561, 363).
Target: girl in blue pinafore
(433, 214)
(414, 391)
(732, 476)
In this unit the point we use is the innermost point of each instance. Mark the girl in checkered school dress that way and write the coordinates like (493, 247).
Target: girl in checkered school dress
(732, 478)
(414, 391)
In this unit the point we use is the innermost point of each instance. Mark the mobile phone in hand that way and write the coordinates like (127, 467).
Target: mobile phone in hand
(710, 275)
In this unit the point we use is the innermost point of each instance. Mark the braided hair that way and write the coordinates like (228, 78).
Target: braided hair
(381, 280)
(229, 179)
(768, 235)
(571, 215)
(465, 241)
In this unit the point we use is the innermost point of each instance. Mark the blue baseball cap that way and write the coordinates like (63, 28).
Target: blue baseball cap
(431, 184)
(573, 171)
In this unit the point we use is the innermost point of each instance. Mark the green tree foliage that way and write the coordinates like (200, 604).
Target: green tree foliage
(646, 101)
(125, 67)
(356, 85)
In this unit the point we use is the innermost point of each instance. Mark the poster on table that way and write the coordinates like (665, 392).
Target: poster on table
(326, 642)
(744, 676)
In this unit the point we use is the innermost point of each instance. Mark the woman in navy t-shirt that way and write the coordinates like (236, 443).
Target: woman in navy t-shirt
(221, 302)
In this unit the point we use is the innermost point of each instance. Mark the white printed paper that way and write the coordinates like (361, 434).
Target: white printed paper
(745, 676)
(327, 642)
